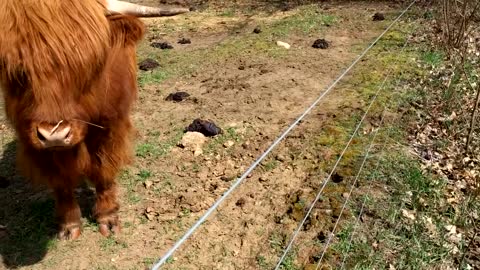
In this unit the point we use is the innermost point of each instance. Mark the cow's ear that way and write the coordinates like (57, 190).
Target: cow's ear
(125, 29)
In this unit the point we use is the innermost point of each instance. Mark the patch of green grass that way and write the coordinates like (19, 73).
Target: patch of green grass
(270, 165)
(186, 212)
(432, 58)
(276, 241)
(228, 13)
(146, 149)
(289, 262)
(149, 261)
(155, 76)
(111, 244)
(307, 20)
(262, 262)
(144, 174)
(404, 243)
(229, 134)
(151, 149)
(130, 182)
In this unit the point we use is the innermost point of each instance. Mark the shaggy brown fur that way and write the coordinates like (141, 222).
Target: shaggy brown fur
(65, 60)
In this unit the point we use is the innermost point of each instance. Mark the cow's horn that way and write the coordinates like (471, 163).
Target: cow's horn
(115, 6)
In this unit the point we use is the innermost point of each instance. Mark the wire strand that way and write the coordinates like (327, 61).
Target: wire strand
(350, 193)
(272, 146)
(340, 157)
(359, 171)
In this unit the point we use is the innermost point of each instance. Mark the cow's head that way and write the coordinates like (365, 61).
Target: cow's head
(57, 62)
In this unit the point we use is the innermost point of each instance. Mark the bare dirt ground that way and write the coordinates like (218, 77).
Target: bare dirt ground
(251, 88)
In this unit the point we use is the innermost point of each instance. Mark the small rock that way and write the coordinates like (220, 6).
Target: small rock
(184, 41)
(241, 67)
(148, 184)
(262, 179)
(257, 30)
(378, 17)
(320, 44)
(283, 44)
(241, 202)
(193, 141)
(177, 96)
(280, 158)
(161, 45)
(148, 64)
(228, 144)
(149, 210)
(228, 175)
(149, 216)
(207, 128)
(345, 195)
(408, 214)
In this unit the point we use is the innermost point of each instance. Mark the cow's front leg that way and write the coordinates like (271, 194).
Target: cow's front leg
(68, 213)
(106, 208)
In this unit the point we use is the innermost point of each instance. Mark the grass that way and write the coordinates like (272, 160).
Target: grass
(306, 20)
(387, 236)
(214, 145)
(432, 58)
(150, 149)
(407, 209)
(404, 243)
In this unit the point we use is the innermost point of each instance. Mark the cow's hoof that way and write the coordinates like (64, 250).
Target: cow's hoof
(70, 232)
(110, 224)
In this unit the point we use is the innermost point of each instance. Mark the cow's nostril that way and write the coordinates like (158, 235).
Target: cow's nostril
(40, 136)
(54, 136)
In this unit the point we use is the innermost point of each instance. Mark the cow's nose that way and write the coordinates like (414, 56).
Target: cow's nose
(54, 137)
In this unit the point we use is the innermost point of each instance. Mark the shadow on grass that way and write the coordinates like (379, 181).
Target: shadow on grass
(27, 215)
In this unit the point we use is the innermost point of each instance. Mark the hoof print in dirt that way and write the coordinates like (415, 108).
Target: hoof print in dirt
(4, 183)
(378, 17)
(148, 64)
(207, 128)
(320, 44)
(337, 178)
(184, 41)
(177, 96)
(161, 45)
(257, 30)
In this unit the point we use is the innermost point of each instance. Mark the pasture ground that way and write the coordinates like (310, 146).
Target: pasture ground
(253, 89)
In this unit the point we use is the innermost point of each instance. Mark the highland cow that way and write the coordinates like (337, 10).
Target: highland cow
(68, 76)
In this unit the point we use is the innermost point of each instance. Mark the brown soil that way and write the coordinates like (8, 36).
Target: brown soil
(253, 97)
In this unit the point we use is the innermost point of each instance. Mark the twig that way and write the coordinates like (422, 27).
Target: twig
(474, 112)
(469, 244)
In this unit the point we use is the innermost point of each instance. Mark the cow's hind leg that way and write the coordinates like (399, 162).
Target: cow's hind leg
(68, 213)
(106, 208)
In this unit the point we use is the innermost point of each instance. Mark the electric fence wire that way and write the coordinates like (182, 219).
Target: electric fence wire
(239, 180)
(297, 231)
